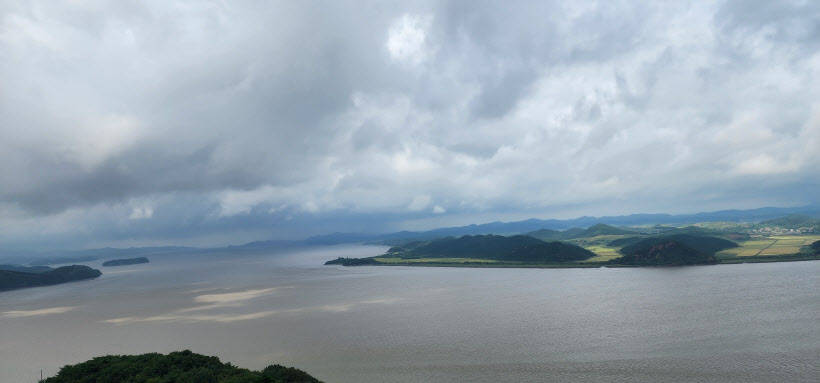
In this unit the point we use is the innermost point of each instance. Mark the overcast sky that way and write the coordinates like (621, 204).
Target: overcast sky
(158, 122)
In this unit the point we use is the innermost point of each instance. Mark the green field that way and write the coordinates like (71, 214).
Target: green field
(598, 241)
(603, 253)
(598, 246)
(775, 245)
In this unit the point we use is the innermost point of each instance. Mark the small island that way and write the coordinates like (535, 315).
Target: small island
(180, 366)
(125, 261)
(11, 279)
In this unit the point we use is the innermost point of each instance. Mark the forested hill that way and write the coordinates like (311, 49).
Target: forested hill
(703, 244)
(16, 279)
(468, 246)
(176, 367)
(26, 269)
(664, 252)
(677, 249)
(793, 221)
(577, 232)
(126, 261)
(517, 248)
(549, 252)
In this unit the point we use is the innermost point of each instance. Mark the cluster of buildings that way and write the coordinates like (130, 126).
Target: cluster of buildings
(782, 231)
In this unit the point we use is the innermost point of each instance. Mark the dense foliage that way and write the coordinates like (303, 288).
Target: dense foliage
(592, 231)
(471, 246)
(517, 248)
(793, 221)
(176, 367)
(125, 261)
(702, 244)
(549, 252)
(547, 234)
(601, 229)
(353, 261)
(575, 232)
(626, 241)
(692, 230)
(26, 269)
(16, 279)
(662, 252)
(816, 247)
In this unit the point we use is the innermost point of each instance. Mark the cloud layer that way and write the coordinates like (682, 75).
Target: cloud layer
(165, 121)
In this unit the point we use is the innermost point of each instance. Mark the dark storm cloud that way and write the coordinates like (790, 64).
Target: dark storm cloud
(141, 120)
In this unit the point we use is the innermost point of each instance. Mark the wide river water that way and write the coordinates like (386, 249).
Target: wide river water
(724, 323)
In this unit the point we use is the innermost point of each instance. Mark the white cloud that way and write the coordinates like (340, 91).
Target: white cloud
(420, 203)
(407, 39)
(764, 164)
(399, 111)
(141, 212)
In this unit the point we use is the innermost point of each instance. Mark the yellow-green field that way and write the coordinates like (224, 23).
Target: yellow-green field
(429, 260)
(598, 246)
(776, 245)
(599, 241)
(603, 253)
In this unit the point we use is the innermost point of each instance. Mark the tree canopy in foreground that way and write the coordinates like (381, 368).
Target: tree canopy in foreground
(176, 367)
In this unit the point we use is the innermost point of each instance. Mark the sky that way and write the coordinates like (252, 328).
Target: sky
(206, 123)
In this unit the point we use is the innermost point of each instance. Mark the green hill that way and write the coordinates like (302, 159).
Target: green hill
(702, 244)
(26, 269)
(602, 229)
(16, 279)
(549, 252)
(662, 252)
(572, 233)
(626, 241)
(546, 234)
(577, 232)
(516, 248)
(469, 246)
(676, 249)
(792, 221)
(125, 261)
(176, 367)
(691, 230)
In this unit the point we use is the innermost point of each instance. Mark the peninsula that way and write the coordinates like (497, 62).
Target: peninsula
(604, 245)
(11, 279)
(125, 261)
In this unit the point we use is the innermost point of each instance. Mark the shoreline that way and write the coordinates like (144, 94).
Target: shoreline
(593, 265)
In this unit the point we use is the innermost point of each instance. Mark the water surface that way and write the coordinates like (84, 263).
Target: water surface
(724, 323)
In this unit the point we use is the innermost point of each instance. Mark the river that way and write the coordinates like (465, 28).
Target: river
(722, 323)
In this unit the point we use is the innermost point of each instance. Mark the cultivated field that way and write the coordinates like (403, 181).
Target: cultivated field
(598, 246)
(603, 253)
(776, 245)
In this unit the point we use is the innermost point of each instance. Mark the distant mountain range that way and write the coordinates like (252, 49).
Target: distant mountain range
(533, 225)
(549, 229)
(577, 232)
